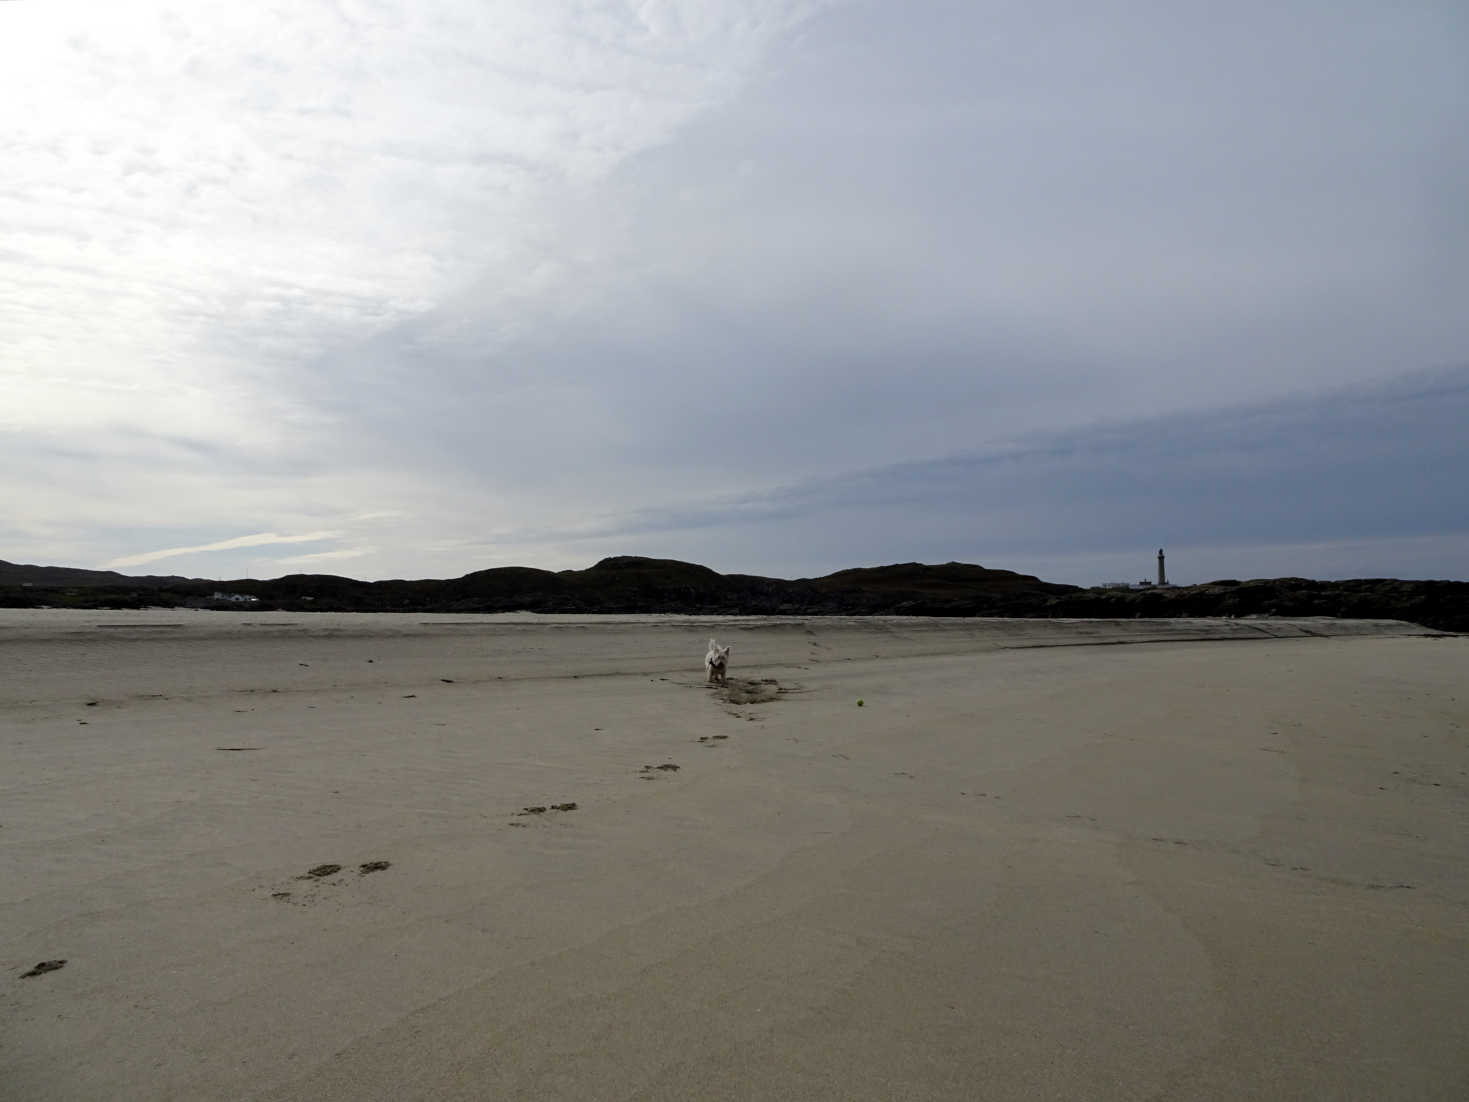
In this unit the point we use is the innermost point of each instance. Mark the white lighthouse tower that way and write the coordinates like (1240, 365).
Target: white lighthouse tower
(1162, 577)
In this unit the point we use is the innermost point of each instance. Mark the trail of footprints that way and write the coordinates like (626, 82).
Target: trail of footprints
(330, 873)
(743, 692)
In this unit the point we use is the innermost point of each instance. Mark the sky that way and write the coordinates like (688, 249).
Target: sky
(394, 289)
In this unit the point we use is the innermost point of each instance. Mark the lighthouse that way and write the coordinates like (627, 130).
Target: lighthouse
(1162, 577)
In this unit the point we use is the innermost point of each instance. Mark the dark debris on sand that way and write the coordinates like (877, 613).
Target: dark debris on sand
(42, 968)
(541, 809)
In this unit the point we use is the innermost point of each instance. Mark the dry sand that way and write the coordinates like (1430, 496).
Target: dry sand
(1227, 864)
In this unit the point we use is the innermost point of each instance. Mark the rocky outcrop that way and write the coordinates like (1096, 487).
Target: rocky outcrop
(1443, 605)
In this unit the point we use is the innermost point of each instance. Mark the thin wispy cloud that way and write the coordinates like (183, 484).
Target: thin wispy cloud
(259, 539)
(473, 284)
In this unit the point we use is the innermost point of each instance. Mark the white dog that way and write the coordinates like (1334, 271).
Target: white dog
(716, 664)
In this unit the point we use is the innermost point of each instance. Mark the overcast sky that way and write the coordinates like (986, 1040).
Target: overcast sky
(389, 288)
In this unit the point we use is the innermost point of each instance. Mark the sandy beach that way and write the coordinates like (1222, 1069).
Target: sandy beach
(896, 859)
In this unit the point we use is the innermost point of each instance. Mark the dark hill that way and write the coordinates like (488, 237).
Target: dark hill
(634, 584)
(627, 584)
(19, 574)
(631, 584)
(941, 590)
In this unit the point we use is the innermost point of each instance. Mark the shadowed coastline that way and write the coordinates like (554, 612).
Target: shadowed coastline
(632, 584)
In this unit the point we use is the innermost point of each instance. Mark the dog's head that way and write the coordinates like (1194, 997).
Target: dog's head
(717, 656)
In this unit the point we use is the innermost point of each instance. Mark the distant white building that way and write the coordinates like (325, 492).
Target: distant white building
(237, 598)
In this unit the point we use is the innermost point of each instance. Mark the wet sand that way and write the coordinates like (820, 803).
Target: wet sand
(374, 857)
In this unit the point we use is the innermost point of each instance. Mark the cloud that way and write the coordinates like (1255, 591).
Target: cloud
(201, 198)
(887, 249)
(259, 539)
(1377, 465)
(778, 284)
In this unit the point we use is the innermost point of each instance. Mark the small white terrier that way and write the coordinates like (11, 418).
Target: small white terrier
(716, 664)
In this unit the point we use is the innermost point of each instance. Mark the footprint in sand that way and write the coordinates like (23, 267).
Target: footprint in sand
(542, 809)
(322, 874)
